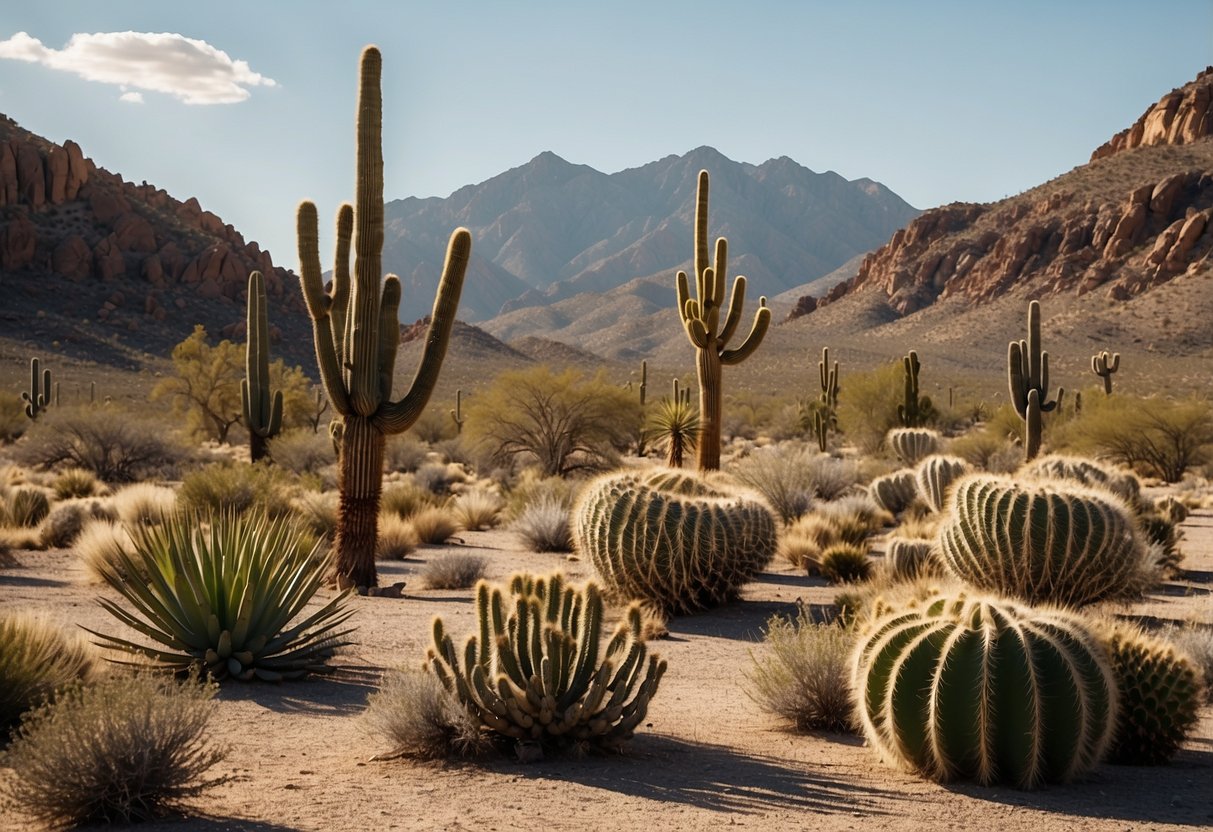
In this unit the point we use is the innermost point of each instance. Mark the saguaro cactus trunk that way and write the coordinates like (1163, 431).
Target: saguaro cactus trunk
(1028, 382)
(262, 412)
(357, 334)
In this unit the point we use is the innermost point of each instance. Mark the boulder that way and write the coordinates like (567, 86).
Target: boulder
(57, 167)
(9, 191)
(18, 243)
(134, 233)
(77, 169)
(31, 178)
(108, 258)
(73, 258)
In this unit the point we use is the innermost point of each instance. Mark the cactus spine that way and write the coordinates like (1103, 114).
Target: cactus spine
(701, 318)
(914, 411)
(357, 333)
(910, 558)
(457, 413)
(912, 444)
(38, 397)
(1104, 366)
(985, 690)
(935, 475)
(1028, 380)
(894, 492)
(262, 413)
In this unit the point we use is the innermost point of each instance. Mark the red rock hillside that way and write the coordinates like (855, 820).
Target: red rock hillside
(106, 267)
(1140, 213)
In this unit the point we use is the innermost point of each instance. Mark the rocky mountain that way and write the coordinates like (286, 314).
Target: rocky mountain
(551, 230)
(108, 270)
(1132, 219)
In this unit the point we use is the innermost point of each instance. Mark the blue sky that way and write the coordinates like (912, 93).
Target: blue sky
(940, 101)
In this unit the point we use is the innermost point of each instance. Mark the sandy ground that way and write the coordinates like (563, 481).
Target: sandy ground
(709, 758)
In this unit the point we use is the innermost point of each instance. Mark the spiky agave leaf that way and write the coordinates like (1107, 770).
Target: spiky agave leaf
(226, 595)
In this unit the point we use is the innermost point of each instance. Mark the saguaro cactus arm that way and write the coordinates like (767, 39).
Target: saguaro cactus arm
(1104, 366)
(322, 306)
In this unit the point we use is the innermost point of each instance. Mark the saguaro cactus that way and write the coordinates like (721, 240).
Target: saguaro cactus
(914, 411)
(1028, 379)
(262, 413)
(709, 335)
(457, 413)
(829, 382)
(38, 397)
(1104, 366)
(357, 333)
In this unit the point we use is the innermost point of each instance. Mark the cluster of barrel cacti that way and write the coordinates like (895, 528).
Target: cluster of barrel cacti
(934, 477)
(681, 541)
(535, 669)
(894, 492)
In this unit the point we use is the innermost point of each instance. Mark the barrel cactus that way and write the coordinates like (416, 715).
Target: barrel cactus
(533, 672)
(1160, 696)
(934, 477)
(894, 492)
(912, 444)
(910, 558)
(1041, 540)
(982, 689)
(681, 541)
(1086, 472)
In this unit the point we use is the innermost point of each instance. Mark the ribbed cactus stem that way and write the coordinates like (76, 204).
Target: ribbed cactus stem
(821, 430)
(828, 377)
(457, 413)
(1028, 381)
(262, 411)
(701, 318)
(1104, 365)
(38, 397)
(357, 334)
(913, 411)
(644, 381)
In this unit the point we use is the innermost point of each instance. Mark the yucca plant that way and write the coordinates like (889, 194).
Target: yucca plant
(221, 596)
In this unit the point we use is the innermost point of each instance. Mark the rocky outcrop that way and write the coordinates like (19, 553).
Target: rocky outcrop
(18, 243)
(1182, 116)
(73, 258)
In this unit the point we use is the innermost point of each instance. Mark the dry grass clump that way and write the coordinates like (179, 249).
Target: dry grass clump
(24, 507)
(454, 571)
(434, 525)
(857, 509)
(848, 523)
(438, 477)
(1196, 642)
(302, 451)
(6, 554)
(19, 537)
(404, 499)
(420, 719)
(397, 538)
(532, 487)
(101, 546)
(144, 504)
(236, 488)
(317, 510)
(129, 748)
(784, 478)
(66, 520)
(478, 508)
(800, 551)
(845, 563)
(544, 526)
(37, 658)
(77, 482)
(803, 675)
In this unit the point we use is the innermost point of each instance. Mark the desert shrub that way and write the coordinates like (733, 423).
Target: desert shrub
(126, 749)
(982, 448)
(100, 545)
(24, 507)
(802, 674)
(1196, 642)
(477, 508)
(456, 451)
(20, 537)
(544, 526)
(404, 453)
(561, 422)
(832, 478)
(438, 477)
(433, 426)
(37, 658)
(397, 538)
(302, 451)
(1086, 472)
(76, 482)
(435, 524)
(867, 410)
(783, 475)
(454, 571)
(144, 503)
(116, 446)
(420, 719)
(196, 569)
(404, 499)
(66, 520)
(531, 487)
(13, 421)
(845, 563)
(818, 529)
(858, 509)
(235, 488)
(800, 551)
(317, 511)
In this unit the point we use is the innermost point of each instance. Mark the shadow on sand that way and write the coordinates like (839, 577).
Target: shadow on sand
(342, 693)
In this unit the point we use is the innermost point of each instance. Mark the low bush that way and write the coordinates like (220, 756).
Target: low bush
(100, 546)
(438, 477)
(66, 520)
(144, 503)
(302, 451)
(37, 658)
(397, 539)
(24, 507)
(420, 719)
(454, 571)
(782, 475)
(404, 499)
(434, 525)
(77, 482)
(404, 453)
(544, 526)
(236, 488)
(477, 509)
(317, 511)
(532, 487)
(845, 563)
(116, 446)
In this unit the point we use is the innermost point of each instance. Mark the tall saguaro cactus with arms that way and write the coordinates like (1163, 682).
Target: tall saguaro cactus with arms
(701, 319)
(1028, 381)
(357, 333)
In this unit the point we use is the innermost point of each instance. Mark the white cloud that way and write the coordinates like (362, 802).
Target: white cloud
(189, 69)
(131, 97)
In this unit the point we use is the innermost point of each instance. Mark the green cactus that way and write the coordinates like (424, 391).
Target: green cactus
(1160, 696)
(682, 541)
(934, 477)
(1028, 381)
(829, 383)
(982, 689)
(682, 395)
(533, 672)
(262, 414)
(910, 558)
(821, 430)
(357, 332)
(457, 413)
(1123, 484)
(642, 434)
(914, 412)
(1104, 366)
(1041, 540)
(894, 492)
(701, 318)
(912, 444)
(320, 405)
(38, 398)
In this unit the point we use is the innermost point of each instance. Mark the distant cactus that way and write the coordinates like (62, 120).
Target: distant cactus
(1041, 540)
(38, 398)
(642, 434)
(894, 492)
(934, 477)
(912, 444)
(829, 383)
(676, 421)
(1028, 380)
(533, 672)
(1104, 366)
(262, 414)
(457, 413)
(915, 411)
(1078, 469)
(682, 541)
(320, 405)
(910, 558)
(701, 318)
(821, 430)
(987, 690)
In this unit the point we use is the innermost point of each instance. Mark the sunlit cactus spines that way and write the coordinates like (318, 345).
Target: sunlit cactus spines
(357, 332)
(961, 688)
(909, 558)
(710, 332)
(684, 542)
(1042, 540)
(1028, 381)
(1122, 483)
(935, 475)
(912, 444)
(894, 492)
(1104, 365)
(262, 410)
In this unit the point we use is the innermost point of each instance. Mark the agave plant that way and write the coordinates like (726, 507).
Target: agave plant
(220, 595)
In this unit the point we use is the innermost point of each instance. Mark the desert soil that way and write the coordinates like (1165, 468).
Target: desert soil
(708, 757)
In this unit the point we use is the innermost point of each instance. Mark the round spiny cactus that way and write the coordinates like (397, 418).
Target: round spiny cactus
(982, 689)
(1160, 696)
(1041, 540)
(935, 475)
(682, 541)
(910, 558)
(1086, 472)
(1171, 508)
(894, 492)
(913, 444)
